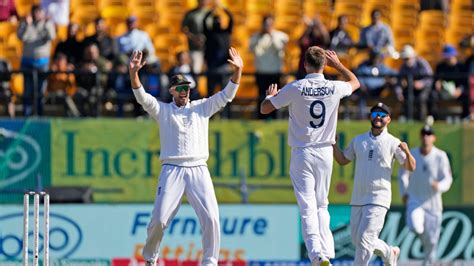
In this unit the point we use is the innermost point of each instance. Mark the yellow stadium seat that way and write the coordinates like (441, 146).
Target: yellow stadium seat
(156, 30)
(112, 3)
(249, 89)
(404, 19)
(17, 84)
(116, 27)
(88, 4)
(142, 4)
(461, 5)
(433, 18)
(259, 6)
(84, 16)
(461, 20)
(114, 12)
(145, 17)
(7, 28)
(23, 7)
(356, 59)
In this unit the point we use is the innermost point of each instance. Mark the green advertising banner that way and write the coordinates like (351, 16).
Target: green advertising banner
(120, 159)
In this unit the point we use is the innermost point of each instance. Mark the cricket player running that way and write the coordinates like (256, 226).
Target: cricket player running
(313, 105)
(374, 153)
(421, 192)
(184, 152)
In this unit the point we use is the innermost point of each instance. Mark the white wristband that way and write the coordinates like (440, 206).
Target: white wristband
(268, 97)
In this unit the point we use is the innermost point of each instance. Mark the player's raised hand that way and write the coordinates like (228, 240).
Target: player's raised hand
(235, 59)
(404, 147)
(272, 90)
(136, 61)
(331, 59)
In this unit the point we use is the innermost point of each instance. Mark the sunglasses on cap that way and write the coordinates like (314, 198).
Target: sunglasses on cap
(181, 88)
(374, 115)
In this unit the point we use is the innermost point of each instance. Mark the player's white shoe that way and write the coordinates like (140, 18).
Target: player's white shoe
(321, 262)
(394, 256)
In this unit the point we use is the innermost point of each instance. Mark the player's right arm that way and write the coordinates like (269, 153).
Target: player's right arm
(276, 98)
(339, 155)
(149, 103)
(349, 77)
(266, 106)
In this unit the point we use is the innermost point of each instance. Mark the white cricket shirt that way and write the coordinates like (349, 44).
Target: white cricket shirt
(184, 130)
(431, 167)
(313, 103)
(374, 156)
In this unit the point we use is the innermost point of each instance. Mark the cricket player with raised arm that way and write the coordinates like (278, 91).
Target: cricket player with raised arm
(421, 192)
(184, 151)
(313, 106)
(374, 153)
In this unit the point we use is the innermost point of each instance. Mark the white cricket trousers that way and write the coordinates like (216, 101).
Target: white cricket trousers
(310, 172)
(427, 225)
(366, 224)
(196, 183)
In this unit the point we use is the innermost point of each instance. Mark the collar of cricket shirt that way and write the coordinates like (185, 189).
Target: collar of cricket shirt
(180, 107)
(384, 131)
(314, 76)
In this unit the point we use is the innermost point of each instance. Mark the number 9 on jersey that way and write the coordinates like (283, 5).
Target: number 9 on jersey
(317, 110)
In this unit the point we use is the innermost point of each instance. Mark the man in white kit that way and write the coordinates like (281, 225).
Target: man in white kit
(421, 192)
(184, 152)
(313, 105)
(374, 153)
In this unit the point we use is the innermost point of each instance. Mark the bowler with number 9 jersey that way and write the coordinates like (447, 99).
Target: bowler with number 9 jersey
(313, 108)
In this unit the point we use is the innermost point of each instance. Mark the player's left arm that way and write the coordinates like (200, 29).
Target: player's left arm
(220, 99)
(444, 174)
(410, 162)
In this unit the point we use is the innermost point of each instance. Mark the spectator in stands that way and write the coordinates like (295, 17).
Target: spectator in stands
(376, 80)
(135, 39)
(36, 34)
(57, 11)
(268, 47)
(71, 47)
(452, 81)
(315, 34)
(421, 71)
(91, 80)
(107, 45)
(218, 24)
(469, 68)
(62, 86)
(6, 97)
(341, 41)
(8, 11)
(183, 66)
(377, 36)
(192, 26)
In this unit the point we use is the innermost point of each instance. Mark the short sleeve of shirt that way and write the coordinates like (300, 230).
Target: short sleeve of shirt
(399, 154)
(284, 96)
(349, 152)
(343, 88)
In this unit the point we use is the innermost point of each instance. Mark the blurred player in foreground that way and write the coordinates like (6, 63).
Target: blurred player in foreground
(184, 152)
(421, 192)
(374, 153)
(313, 102)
